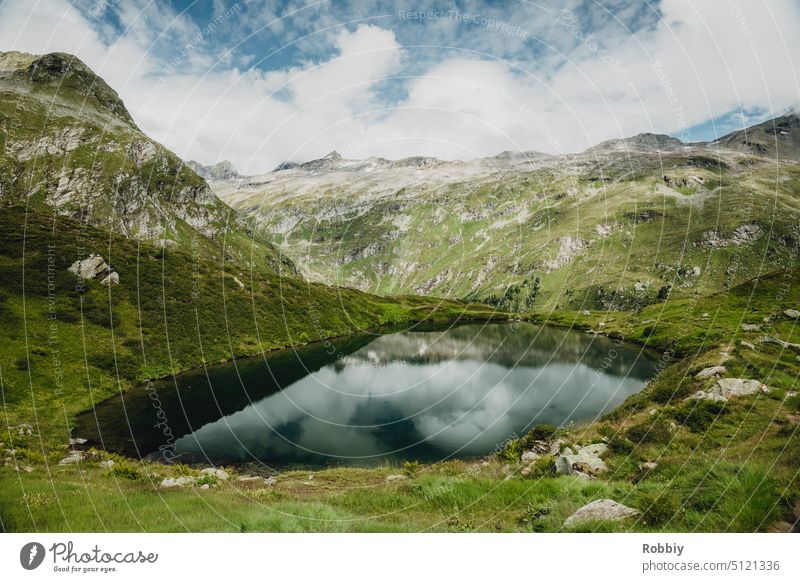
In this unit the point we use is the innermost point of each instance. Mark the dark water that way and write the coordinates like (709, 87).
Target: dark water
(427, 395)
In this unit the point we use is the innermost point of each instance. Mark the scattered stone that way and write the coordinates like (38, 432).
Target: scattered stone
(751, 327)
(705, 316)
(790, 394)
(555, 447)
(393, 478)
(792, 314)
(77, 441)
(747, 345)
(653, 412)
(248, 478)
(204, 486)
(27, 469)
(24, 429)
(528, 456)
(107, 464)
(311, 477)
(218, 473)
(73, 458)
(586, 312)
(711, 372)
(89, 267)
(270, 481)
(648, 466)
(111, 279)
(726, 388)
(586, 460)
(600, 510)
(768, 339)
(178, 481)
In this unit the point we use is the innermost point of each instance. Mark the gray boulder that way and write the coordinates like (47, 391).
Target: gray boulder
(711, 372)
(792, 314)
(111, 279)
(89, 267)
(585, 460)
(601, 510)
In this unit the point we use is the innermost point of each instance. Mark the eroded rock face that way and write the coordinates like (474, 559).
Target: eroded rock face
(601, 510)
(142, 151)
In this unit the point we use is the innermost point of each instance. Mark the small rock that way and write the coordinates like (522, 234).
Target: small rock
(703, 395)
(555, 446)
(768, 339)
(218, 473)
(586, 312)
(111, 279)
(204, 486)
(792, 314)
(270, 481)
(27, 469)
(648, 466)
(107, 464)
(393, 478)
(747, 345)
(177, 481)
(74, 457)
(653, 412)
(790, 394)
(247, 478)
(586, 460)
(530, 456)
(601, 510)
(729, 387)
(77, 441)
(24, 429)
(751, 327)
(710, 372)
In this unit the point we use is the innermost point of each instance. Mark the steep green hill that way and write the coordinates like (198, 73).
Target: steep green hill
(67, 143)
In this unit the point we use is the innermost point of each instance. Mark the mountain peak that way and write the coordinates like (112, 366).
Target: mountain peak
(65, 75)
(334, 156)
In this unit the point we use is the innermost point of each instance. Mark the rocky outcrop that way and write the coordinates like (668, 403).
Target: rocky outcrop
(600, 510)
(585, 461)
(95, 266)
(711, 372)
(726, 388)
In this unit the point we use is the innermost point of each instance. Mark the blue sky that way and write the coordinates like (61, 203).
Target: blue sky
(263, 81)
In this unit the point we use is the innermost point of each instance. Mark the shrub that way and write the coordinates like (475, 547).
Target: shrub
(659, 507)
(698, 416)
(542, 467)
(531, 518)
(619, 444)
(650, 431)
(540, 432)
(125, 471)
(512, 451)
(411, 468)
(22, 364)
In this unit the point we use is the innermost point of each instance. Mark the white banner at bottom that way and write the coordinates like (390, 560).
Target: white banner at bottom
(400, 557)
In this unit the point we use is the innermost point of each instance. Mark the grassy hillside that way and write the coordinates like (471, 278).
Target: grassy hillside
(615, 228)
(686, 465)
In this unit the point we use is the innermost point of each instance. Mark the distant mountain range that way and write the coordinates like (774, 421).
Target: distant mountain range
(623, 223)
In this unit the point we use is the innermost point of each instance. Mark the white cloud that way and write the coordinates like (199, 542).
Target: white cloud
(701, 60)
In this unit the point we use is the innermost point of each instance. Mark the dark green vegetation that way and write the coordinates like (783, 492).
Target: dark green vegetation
(711, 253)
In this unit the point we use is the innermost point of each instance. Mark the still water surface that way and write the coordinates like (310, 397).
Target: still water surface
(428, 395)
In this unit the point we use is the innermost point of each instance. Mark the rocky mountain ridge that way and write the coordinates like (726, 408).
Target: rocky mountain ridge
(624, 223)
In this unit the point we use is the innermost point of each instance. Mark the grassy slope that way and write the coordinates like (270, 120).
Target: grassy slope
(729, 470)
(504, 229)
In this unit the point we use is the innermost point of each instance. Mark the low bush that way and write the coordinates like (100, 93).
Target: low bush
(655, 430)
(659, 507)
